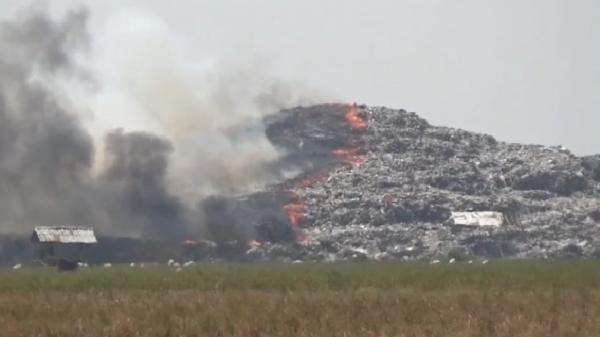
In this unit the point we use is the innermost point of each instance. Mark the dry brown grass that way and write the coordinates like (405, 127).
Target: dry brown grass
(500, 308)
(363, 312)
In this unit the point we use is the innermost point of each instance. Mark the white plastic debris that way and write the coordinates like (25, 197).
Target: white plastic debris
(482, 219)
(189, 264)
(434, 262)
(82, 265)
(176, 265)
(132, 264)
(170, 262)
(452, 260)
(107, 265)
(484, 262)
(17, 266)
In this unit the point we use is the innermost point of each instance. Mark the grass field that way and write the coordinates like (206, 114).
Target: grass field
(497, 299)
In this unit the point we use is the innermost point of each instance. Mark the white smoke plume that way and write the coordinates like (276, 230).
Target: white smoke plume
(209, 108)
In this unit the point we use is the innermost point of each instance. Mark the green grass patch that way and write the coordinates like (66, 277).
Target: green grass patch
(346, 276)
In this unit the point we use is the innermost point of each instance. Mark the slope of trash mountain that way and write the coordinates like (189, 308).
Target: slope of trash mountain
(381, 184)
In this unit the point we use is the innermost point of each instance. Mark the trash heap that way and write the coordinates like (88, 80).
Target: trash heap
(396, 202)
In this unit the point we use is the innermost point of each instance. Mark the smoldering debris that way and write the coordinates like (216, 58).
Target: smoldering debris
(258, 216)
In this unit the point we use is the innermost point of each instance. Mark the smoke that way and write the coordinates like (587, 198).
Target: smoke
(160, 132)
(134, 184)
(45, 155)
(210, 109)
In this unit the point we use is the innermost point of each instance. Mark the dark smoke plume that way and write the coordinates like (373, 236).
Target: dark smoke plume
(46, 156)
(135, 185)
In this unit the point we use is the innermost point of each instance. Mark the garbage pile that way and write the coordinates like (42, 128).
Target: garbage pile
(394, 199)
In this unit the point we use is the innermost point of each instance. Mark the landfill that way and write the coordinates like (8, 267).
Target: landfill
(383, 184)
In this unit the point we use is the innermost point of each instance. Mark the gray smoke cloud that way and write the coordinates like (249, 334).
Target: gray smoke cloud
(134, 184)
(210, 108)
(195, 134)
(45, 155)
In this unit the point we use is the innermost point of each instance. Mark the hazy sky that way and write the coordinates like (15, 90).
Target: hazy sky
(522, 70)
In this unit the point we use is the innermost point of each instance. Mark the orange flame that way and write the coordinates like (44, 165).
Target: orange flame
(295, 212)
(296, 208)
(354, 118)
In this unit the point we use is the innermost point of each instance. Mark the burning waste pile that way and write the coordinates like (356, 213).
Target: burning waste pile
(388, 185)
(208, 168)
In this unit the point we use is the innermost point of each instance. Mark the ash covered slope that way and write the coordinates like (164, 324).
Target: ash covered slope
(393, 201)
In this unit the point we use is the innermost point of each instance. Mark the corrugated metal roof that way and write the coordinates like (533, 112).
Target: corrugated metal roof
(493, 219)
(64, 234)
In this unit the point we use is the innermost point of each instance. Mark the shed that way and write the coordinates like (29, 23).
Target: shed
(64, 234)
(62, 242)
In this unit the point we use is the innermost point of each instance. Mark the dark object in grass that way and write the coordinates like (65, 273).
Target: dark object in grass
(66, 265)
